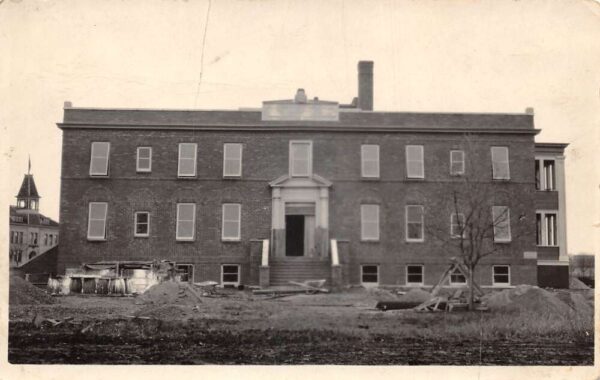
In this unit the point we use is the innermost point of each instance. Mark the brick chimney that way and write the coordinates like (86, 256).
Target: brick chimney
(365, 85)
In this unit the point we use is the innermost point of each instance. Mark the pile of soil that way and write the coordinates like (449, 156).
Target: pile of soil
(416, 295)
(575, 283)
(22, 292)
(527, 298)
(170, 292)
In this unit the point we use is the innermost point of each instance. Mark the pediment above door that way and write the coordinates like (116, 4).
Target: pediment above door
(314, 181)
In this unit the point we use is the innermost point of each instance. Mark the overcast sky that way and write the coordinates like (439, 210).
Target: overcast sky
(461, 56)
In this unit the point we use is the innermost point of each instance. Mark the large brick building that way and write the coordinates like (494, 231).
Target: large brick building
(305, 188)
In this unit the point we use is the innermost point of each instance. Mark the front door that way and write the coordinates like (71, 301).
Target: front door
(294, 235)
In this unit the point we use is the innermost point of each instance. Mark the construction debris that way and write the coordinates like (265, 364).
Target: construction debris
(22, 292)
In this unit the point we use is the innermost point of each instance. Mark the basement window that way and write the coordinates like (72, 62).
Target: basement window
(457, 278)
(414, 274)
(185, 272)
(230, 275)
(369, 274)
(501, 275)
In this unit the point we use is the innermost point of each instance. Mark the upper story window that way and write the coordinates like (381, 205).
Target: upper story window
(546, 232)
(545, 175)
(500, 166)
(457, 162)
(300, 158)
(414, 223)
(186, 221)
(187, 160)
(99, 159)
(501, 223)
(369, 161)
(34, 238)
(232, 160)
(414, 161)
(369, 222)
(231, 221)
(144, 159)
(457, 225)
(141, 224)
(97, 221)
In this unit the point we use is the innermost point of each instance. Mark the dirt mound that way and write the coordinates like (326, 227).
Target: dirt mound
(531, 299)
(166, 312)
(381, 294)
(22, 292)
(415, 295)
(169, 292)
(575, 283)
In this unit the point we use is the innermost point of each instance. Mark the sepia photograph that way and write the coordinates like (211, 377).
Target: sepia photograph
(234, 185)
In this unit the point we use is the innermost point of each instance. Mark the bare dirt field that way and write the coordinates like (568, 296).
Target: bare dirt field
(171, 325)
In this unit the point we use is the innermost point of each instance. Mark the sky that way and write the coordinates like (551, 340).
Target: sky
(442, 56)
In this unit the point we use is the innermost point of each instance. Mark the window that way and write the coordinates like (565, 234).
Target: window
(230, 274)
(300, 158)
(457, 162)
(414, 161)
(545, 176)
(20, 237)
(144, 159)
(186, 221)
(501, 275)
(369, 222)
(187, 160)
(142, 224)
(546, 232)
(414, 274)
(369, 274)
(501, 223)
(97, 221)
(414, 223)
(500, 167)
(232, 160)
(457, 225)
(457, 278)
(14, 236)
(231, 221)
(185, 272)
(99, 159)
(369, 161)
(34, 238)
(45, 239)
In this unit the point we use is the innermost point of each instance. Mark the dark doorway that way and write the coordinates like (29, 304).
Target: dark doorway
(294, 235)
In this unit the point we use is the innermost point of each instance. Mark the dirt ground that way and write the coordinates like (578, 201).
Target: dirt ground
(180, 326)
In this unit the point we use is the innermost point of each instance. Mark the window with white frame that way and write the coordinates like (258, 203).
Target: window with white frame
(97, 221)
(545, 174)
(500, 165)
(45, 239)
(501, 275)
(457, 277)
(414, 275)
(300, 158)
(232, 160)
(187, 160)
(231, 221)
(547, 232)
(457, 225)
(369, 274)
(34, 238)
(369, 161)
(142, 224)
(144, 159)
(230, 274)
(99, 159)
(457, 162)
(414, 161)
(369, 222)
(501, 223)
(186, 221)
(414, 223)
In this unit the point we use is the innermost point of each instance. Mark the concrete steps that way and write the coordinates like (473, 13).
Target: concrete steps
(283, 271)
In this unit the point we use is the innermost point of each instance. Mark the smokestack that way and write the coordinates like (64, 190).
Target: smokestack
(365, 85)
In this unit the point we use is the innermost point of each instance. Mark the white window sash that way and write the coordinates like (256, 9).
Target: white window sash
(140, 167)
(454, 159)
(422, 275)
(420, 222)
(236, 222)
(369, 230)
(232, 156)
(500, 223)
(191, 221)
(97, 220)
(99, 158)
(414, 165)
(295, 159)
(183, 159)
(230, 273)
(500, 162)
(455, 227)
(137, 222)
(362, 274)
(494, 274)
(370, 155)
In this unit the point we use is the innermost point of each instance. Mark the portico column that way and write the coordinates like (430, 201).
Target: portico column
(322, 233)
(562, 209)
(277, 225)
